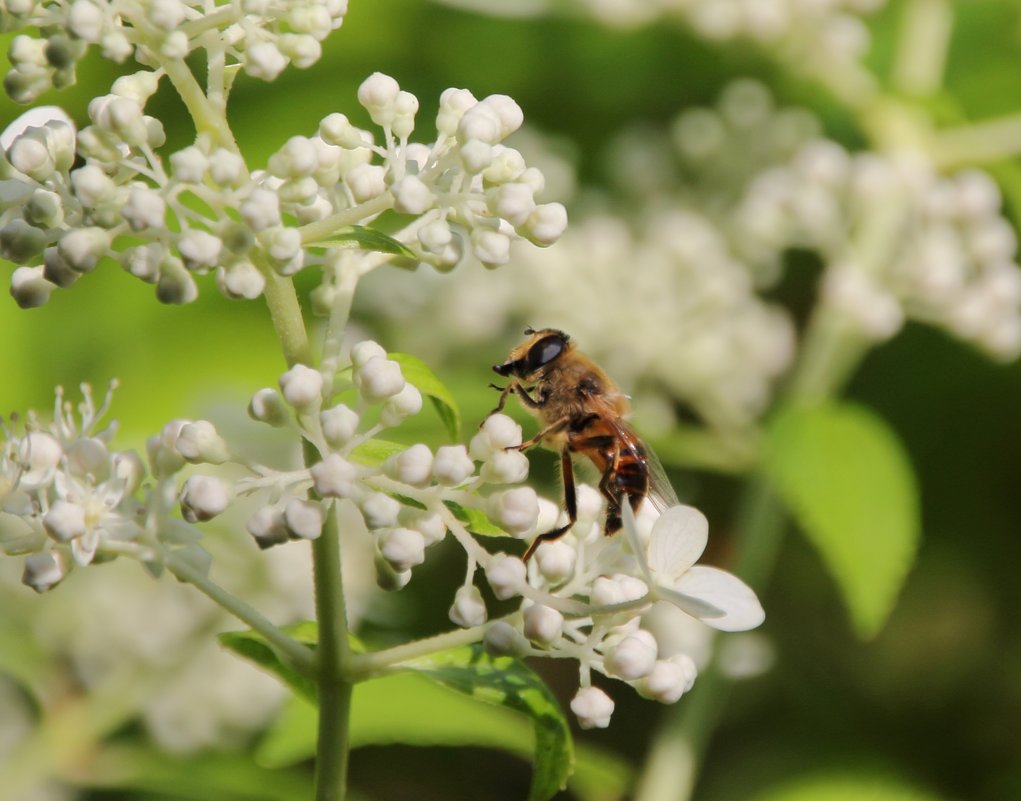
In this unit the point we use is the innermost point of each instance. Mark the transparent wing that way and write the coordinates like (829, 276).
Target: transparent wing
(661, 491)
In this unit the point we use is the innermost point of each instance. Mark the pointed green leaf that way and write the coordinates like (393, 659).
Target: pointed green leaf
(419, 375)
(846, 479)
(475, 520)
(508, 683)
(358, 236)
(373, 452)
(253, 646)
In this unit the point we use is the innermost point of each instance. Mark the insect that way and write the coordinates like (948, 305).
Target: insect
(582, 411)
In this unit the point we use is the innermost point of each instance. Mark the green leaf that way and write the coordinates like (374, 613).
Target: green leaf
(253, 646)
(856, 786)
(417, 373)
(508, 683)
(845, 477)
(475, 520)
(373, 452)
(358, 236)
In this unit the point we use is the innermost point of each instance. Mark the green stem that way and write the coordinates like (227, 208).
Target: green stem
(333, 656)
(208, 118)
(296, 654)
(925, 29)
(285, 311)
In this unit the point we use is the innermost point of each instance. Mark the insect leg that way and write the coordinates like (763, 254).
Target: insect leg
(553, 428)
(513, 386)
(570, 502)
(613, 494)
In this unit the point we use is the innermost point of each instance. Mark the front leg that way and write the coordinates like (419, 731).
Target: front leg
(513, 386)
(553, 428)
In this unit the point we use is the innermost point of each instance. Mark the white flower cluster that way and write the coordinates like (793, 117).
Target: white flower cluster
(57, 221)
(66, 496)
(262, 36)
(898, 240)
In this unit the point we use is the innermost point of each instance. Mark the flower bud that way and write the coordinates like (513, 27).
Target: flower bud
(502, 639)
(453, 104)
(406, 403)
(145, 208)
(476, 156)
(226, 168)
(241, 281)
(264, 61)
(498, 432)
(203, 498)
(546, 224)
(452, 466)
(261, 210)
(199, 443)
(411, 466)
(490, 247)
(506, 575)
(428, 524)
(339, 424)
(302, 388)
(592, 707)
(618, 589)
(303, 519)
(336, 129)
(389, 579)
(43, 571)
(379, 510)
(412, 196)
(633, 657)
(403, 548)
(555, 561)
(543, 624)
(21, 242)
(366, 181)
(513, 202)
(29, 287)
(199, 249)
(64, 521)
(334, 477)
(379, 379)
(468, 608)
(164, 457)
(515, 510)
(44, 209)
(505, 467)
(669, 679)
(362, 351)
(267, 406)
(82, 248)
(267, 527)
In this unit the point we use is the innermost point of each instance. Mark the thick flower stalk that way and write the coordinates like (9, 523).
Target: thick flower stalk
(168, 219)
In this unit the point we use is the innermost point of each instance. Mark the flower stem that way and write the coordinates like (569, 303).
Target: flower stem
(297, 655)
(333, 656)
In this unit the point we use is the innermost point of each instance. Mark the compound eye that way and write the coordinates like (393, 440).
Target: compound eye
(544, 351)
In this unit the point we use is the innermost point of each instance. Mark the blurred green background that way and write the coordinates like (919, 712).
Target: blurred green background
(934, 701)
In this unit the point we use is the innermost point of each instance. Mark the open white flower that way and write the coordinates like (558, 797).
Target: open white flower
(716, 597)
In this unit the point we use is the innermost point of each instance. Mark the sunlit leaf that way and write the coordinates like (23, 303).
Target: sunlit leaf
(359, 236)
(848, 482)
(475, 520)
(254, 647)
(373, 452)
(419, 375)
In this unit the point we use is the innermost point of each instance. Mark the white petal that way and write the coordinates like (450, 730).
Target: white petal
(627, 517)
(678, 539)
(735, 599)
(694, 606)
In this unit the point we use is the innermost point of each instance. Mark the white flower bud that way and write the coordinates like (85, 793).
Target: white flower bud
(226, 168)
(339, 424)
(507, 110)
(429, 525)
(412, 466)
(468, 608)
(303, 51)
(82, 248)
(43, 571)
(512, 201)
(404, 404)
(44, 209)
(296, 158)
(379, 379)
(412, 196)
(139, 86)
(303, 518)
(241, 280)
(199, 249)
(175, 45)
(31, 155)
(336, 129)
(145, 208)
(669, 679)
(546, 224)
(362, 351)
(264, 61)
(502, 639)
(377, 93)
(480, 122)
(404, 109)
(633, 657)
(261, 210)
(366, 181)
(85, 20)
(198, 442)
(498, 431)
(267, 527)
(267, 406)
(403, 548)
(618, 589)
(302, 387)
(387, 578)
(506, 575)
(435, 236)
(505, 467)
(452, 466)
(64, 521)
(515, 510)
(476, 156)
(508, 165)
(116, 47)
(453, 104)
(592, 707)
(490, 247)
(555, 561)
(379, 510)
(29, 288)
(590, 502)
(283, 244)
(543, 624)
(162, 449)
(334, 477)
(92, 186)
(203, 498)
